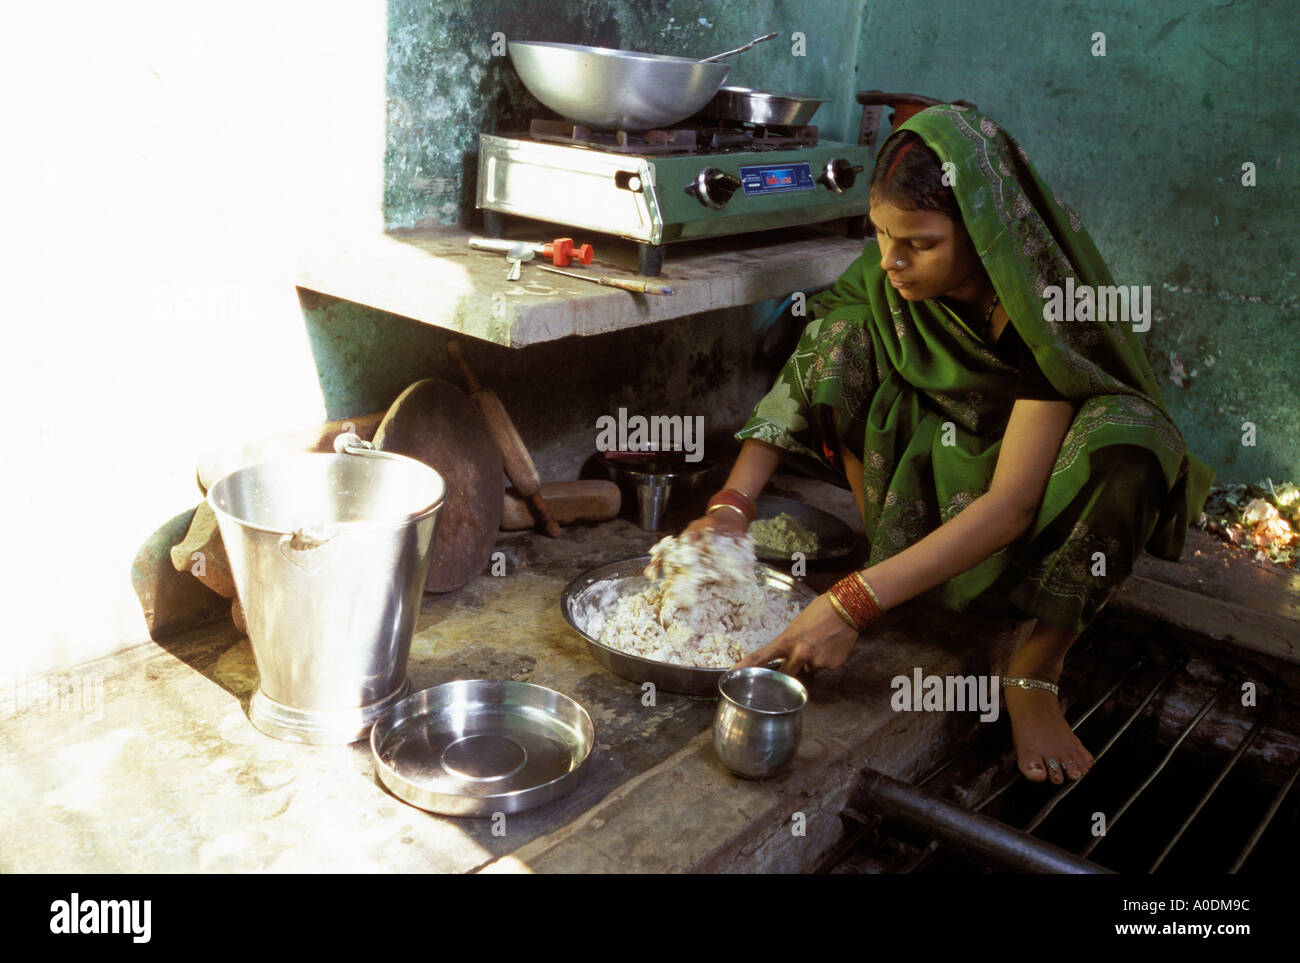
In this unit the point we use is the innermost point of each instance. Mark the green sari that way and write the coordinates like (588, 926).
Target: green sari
(914, 393)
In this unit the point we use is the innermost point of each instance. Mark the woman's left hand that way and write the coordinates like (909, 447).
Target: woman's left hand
(817, 638)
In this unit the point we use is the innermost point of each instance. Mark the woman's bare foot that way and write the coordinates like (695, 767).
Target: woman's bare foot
(1046, 747)
(1043, 737)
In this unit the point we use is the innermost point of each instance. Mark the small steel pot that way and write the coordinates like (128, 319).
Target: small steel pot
(758, 723)
(654, 481)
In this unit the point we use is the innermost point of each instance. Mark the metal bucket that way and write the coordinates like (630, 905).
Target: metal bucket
(329, 554)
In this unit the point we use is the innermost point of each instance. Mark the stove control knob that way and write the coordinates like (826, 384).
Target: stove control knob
(713, 188)
(839, 175)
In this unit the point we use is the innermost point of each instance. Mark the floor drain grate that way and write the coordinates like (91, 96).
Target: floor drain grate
(1196, 761)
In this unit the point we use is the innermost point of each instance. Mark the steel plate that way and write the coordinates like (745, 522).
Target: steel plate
(686, 680)
(482, 746)
(833, 535)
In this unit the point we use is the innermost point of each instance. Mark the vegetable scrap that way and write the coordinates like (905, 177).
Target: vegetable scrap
(1261, 519)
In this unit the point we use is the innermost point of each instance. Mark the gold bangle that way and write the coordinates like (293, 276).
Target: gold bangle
(870, 591)
(843, 614)
(734, 508)
(854, 599)
(736, 499)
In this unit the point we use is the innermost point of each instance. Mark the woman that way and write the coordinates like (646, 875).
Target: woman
(996, 450)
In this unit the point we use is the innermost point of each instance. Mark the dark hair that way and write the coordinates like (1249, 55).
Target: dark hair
(908, 175)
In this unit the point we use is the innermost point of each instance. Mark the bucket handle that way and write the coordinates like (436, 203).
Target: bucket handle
(350, 443)
(312, 534)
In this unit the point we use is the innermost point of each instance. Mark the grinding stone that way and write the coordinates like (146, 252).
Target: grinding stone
(437, 423)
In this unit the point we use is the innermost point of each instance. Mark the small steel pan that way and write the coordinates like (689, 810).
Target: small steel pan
(482, 746)
(687, 680)
(762, 106)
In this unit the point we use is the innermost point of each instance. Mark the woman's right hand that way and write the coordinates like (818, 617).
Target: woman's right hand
(724, 521)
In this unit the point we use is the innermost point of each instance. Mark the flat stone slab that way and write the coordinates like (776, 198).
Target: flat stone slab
(432, 276)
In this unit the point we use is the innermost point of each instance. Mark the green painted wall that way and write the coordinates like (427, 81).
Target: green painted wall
(1148, 143)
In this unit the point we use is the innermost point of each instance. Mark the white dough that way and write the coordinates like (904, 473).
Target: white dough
(708, 609)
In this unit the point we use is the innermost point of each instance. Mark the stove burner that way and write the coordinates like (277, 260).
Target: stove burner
(707, 137)
(618, 142)
(782, 137)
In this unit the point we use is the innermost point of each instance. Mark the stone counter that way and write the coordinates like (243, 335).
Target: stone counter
(147, 762)
(433, 277)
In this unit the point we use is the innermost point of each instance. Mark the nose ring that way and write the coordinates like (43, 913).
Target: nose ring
(898, 263)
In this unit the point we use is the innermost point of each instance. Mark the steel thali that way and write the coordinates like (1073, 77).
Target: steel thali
(482, 746)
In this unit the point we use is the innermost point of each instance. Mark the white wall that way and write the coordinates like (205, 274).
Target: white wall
(162, 161)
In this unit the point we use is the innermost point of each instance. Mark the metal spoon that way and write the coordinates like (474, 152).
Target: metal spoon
(517, 255)
(722, 56)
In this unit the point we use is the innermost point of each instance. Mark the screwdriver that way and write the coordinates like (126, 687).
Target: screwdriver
(636, 287)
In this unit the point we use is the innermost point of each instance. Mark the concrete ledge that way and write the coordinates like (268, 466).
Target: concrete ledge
(1214, 591)
(433, 277)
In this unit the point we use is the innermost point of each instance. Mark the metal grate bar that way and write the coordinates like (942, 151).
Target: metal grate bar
(862, 827)
(947, 763)
(1268, 818)
(986, 838)
(1113, 821)
(1069, 787)
(927, 855)
(921, 859)
(1223, 774)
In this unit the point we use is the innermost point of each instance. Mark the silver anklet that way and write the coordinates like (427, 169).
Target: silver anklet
(1051, 687)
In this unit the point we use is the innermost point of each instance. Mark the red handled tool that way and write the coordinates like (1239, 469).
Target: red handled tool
(561, 251)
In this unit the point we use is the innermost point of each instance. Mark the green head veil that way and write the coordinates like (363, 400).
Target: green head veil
(923, 401)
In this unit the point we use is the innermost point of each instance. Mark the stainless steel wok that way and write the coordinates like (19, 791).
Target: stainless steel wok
(686, 680)
(616, 89)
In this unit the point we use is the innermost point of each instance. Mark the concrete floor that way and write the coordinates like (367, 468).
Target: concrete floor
(168, 775)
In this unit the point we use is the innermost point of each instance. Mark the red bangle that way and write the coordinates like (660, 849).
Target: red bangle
(854, 599)
(736, 499)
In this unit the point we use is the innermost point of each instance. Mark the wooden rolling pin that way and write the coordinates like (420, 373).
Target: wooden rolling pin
(569, 502)
(518, 463)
